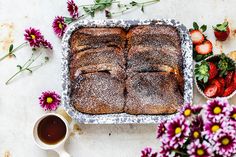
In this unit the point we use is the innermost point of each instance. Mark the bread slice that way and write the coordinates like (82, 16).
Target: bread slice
(98, 93)
(86, 38)
(152, 93)
(156, 35)
(140, 57)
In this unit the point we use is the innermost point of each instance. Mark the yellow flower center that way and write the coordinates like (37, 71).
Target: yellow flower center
(195, 134)
(187, 112)
(32, 36)
(215, 127)
(60, 26)
(200, 152)
(217, 110)
(49, 100)
(234, 116)
(225, 141)
(178, 130)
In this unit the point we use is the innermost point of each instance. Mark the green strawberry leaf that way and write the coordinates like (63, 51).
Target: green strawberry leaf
(221, 27)
(203, 28)
(195, 26)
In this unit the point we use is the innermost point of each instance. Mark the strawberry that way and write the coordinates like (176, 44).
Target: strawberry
(211, 91)
(220, 88)
(204, 48)
(212, 70)
(229, 90)
(197, 37)
(228, 78)
(222, 81)
(222, 31)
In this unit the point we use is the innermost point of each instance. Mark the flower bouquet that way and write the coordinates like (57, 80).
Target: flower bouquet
(207, 131)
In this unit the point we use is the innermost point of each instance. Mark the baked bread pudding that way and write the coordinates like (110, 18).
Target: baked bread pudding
(135, 71)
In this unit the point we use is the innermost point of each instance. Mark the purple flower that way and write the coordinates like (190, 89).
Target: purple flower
(186, 111)
(72, 9)
(59, 26)
(196, 127)
(232, 114)
(216, 109)
(225, 143)
(147, 152)
(47, 44)
(212, 127)
(33, 36)
(166, 149)
(49, 100)
(161, 129)
(177, 131)
(197, 149)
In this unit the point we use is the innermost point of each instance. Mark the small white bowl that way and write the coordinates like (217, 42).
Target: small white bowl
(195, 80)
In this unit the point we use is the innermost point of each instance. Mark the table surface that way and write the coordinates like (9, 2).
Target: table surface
(19, 106)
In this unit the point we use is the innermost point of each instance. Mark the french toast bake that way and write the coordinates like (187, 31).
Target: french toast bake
(135, 71)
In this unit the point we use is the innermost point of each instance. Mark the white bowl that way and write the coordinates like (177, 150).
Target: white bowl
(199, 89)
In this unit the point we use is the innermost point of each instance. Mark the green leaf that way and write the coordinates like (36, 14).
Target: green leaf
(19, 66)
(10, 48)
(222, 27)
(133, 3)
(203, 28)
(195, 26)
(205, 79)
(29, 70)
(68, 20)
(142, 8)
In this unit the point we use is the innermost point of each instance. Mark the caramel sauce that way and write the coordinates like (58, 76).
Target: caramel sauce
(51, 130)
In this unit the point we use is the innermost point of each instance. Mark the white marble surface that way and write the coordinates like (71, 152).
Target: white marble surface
(19, 106)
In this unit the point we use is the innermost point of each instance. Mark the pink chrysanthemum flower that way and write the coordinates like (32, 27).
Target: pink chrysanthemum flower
(72, 9)
(59, 26)
(225, 143)
(196, 127)
(187, 111)
(197, 149)
(232, 115)
(177, 131)
(212, 127)
(161, 129)
(49, 100)
(147, 152)
(216, 109)
(33, 36)
(46, 44)
(166, 149)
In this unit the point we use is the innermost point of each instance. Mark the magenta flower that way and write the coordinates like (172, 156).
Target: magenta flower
(46, 44)
(72, 9)
(197, 149)
(232, 114)
(49, 100)
(161, 129)
(212, 127)
(216, 109)
(33, 36)
(147, 152)
(186, 111)
(196, 127)
(177, 131)
(225, 143)
(59, 26)
(166, 149)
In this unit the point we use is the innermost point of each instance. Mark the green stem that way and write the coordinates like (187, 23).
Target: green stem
(12, 52)
(178, 152)
(131, 7)
(24, 67)
(90, 5)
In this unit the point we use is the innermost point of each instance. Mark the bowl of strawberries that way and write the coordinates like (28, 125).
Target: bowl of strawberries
(216, 77)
